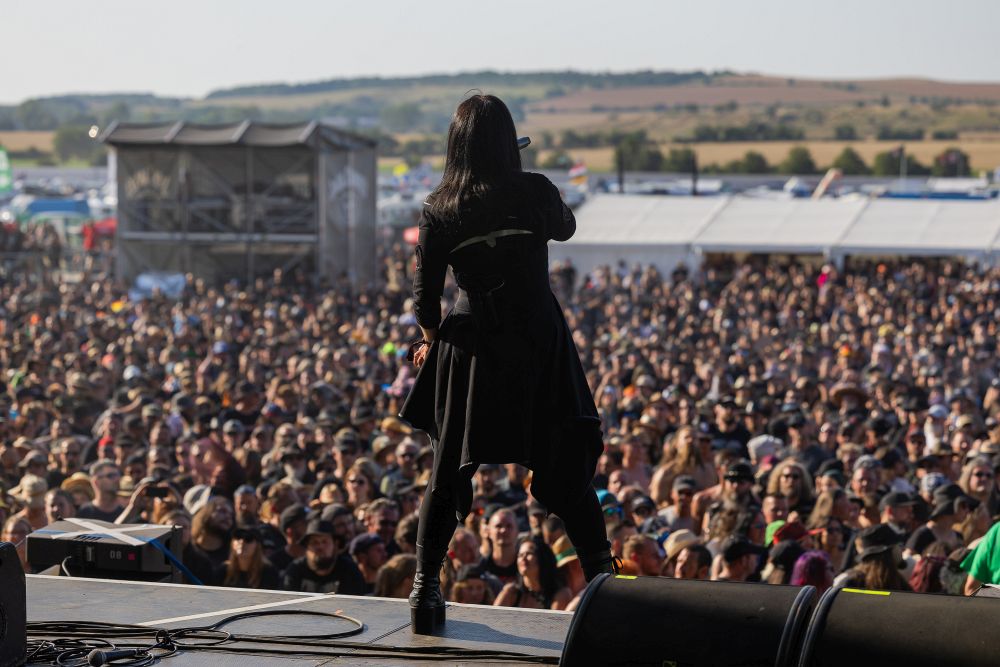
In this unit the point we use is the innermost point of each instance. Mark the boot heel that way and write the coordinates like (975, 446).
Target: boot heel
(424, 620)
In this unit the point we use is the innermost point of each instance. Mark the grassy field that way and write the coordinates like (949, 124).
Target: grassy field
(23, 141)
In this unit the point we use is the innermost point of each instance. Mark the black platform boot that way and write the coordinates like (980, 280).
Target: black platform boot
(594, 563)
(426, 600)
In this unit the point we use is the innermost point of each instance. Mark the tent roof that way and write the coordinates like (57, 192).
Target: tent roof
(923, 227)
(792, 225)
(612, 219)
(245, 133)
(847, 226)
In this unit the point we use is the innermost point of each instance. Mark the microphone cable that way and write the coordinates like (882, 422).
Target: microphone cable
(92, 644)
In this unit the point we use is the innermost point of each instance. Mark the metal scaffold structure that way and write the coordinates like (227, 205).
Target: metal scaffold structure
(238, 201)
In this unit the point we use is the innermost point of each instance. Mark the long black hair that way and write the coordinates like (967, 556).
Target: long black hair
(482, 154)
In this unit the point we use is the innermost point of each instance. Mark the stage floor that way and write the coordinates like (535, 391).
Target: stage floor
(387, 621)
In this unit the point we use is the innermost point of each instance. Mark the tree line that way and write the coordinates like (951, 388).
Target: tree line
(638, 153)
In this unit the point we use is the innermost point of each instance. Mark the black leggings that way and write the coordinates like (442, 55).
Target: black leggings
(582, 517)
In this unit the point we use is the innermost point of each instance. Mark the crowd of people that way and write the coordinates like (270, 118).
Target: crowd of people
(789, 424)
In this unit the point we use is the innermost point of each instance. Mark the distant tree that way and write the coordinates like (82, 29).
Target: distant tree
(950, 163)
(8, 118)
(557, 160)
(401, 117)
(637, 153)
(887, 163)
(74, 141)
(845, 133)
(798, 161)
(679, 160)
(886, 133)
(119, 111)
(944, 135)
(754, 163)
(35, 115)
(850, 163)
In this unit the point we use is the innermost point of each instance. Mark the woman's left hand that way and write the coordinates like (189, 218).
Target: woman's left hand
(420, 356)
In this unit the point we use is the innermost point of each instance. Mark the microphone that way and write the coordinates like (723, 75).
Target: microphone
(98, 658)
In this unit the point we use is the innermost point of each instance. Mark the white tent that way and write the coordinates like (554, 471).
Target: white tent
(667, 230)
(923, 227)
(643, 229)
(799, 226)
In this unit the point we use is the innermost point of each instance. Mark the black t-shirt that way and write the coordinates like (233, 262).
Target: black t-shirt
(281, 559)
(923, 537)
(345, 578)
(217, 556)
(198, 564)
(90, 511)
(505, 573)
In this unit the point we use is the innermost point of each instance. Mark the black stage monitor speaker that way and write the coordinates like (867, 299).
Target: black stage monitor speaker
(657, 621)
(13, 608)
(92, 548)
(859, 627)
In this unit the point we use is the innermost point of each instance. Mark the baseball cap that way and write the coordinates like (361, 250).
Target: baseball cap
(233, 426)
(784, 554)
(938, 412)
(291, 514)
(331, 512)
(965, 421)
(772, 528)
(363, 542)
(739, 471)
(763, 445)
(34, 457)
(896, 499)
(684, 482)
(196, 497)
(643, 501)
(316, 526)
(737, 546)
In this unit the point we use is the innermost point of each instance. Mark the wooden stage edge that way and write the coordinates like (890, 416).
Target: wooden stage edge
(387, 620)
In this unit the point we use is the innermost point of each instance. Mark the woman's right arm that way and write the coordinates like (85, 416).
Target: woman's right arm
(428, 279)
(559, 219)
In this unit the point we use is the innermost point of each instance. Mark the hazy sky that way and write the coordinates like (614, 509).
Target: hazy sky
(189, 47)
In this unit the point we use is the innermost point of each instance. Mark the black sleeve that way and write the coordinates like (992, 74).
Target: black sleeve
(559, 219)
(428, 280)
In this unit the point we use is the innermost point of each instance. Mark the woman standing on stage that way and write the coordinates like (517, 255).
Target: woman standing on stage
(500, 379)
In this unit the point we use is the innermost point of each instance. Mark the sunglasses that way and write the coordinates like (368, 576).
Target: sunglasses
(983, 475)
(786, 475)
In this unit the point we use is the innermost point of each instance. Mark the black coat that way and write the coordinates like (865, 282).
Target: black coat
(503, 380)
